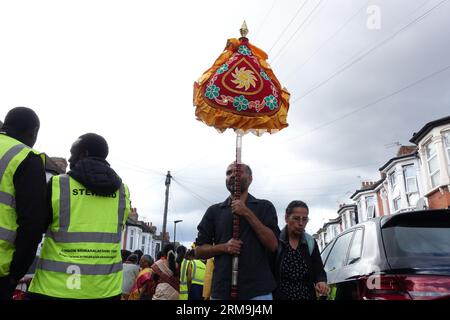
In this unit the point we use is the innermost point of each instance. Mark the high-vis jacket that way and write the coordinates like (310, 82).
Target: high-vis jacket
(81, 255)
(183, 279)
(12, 154)
(208, 278)
(198, 272)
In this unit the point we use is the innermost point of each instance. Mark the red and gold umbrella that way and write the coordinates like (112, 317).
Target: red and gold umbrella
(240, 92)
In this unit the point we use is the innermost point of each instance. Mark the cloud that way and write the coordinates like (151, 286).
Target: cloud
(128, 69)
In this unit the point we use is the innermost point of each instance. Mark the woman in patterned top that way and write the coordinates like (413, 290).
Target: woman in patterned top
(298, 269)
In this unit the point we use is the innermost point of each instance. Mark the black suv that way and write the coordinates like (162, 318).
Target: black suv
(404, 256)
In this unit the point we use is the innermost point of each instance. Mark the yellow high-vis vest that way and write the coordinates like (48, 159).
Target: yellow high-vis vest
(12, 154)
(183, 279)
(198, 272)
(208, 278)
(81, 256)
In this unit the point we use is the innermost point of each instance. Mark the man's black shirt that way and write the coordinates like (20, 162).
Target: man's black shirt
(30, 185)
(255, 277)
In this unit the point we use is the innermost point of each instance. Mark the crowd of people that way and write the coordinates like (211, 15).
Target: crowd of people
(82, 214)
(175, 275)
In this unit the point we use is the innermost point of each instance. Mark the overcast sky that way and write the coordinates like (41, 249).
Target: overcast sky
(362, 75)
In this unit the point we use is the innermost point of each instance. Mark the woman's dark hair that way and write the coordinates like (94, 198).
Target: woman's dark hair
(181, 252)
(125, 254)
(139, 253)
(133, 258)
(159, 255)
(168, 247)
(295, 204)
(148, 258)
(169, 253)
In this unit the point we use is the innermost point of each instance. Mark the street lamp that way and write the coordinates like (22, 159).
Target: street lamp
(175, 230)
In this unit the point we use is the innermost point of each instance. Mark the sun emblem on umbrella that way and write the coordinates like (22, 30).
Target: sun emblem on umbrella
(244, 78)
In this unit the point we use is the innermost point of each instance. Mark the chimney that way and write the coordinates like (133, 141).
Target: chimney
(405, 150)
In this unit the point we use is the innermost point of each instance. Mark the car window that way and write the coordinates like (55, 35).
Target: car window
(356, 247)
(338, 254)
(415, 241)
(325, 252)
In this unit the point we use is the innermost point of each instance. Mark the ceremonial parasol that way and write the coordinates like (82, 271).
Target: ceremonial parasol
(241, 92)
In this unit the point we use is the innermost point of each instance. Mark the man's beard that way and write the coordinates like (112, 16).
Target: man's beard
(231, 186)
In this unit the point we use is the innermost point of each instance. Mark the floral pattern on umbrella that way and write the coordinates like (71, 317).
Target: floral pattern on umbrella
(241, 92)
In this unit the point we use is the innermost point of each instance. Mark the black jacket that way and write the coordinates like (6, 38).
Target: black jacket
(96, 175)
(93, 173)
(313, 261)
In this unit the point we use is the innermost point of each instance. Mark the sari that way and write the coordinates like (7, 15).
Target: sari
(142, 285)
(167, 285)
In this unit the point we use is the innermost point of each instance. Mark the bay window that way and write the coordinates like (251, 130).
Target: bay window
(412, 192)
(433, 163)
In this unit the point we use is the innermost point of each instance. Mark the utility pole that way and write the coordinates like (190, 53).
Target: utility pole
(175, 230)
(167, 183)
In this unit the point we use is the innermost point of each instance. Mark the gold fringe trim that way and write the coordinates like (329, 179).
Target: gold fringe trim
(223, 120)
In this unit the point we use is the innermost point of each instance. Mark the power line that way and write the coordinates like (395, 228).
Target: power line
(204, 156)
(214, 181)
(153, 184)
(203, 200)
(339, 30)
(330, 170)
(305, 189)
(346, 115)
(293, 35)
(347, 65)
(306, 195)
(139, 168)
(329, 39)
(205, 188)
(265, 19)
(288, 25)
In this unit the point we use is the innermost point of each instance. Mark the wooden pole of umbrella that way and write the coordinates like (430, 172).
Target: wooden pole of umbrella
(236, 196)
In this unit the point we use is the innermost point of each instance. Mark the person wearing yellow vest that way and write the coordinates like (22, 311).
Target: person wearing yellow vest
(185, 266)
(23, 210)
(195, 278)
(81, 256)
(208, 279)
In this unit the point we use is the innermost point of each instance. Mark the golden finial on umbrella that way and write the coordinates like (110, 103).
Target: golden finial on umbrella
(244, 30)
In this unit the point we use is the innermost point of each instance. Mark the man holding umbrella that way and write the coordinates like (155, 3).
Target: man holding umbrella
(258, 236)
